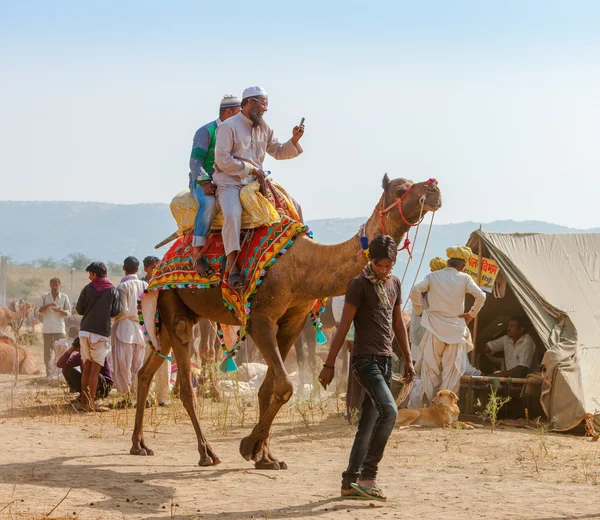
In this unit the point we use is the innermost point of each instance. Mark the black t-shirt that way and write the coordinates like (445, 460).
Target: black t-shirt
(372, 323)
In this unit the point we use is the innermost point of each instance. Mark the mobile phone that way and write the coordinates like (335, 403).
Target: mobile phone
(301, 122)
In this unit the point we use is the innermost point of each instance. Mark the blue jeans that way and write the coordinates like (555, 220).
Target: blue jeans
(378, 415)
(207, 208)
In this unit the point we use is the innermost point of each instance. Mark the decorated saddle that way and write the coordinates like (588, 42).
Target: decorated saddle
(258, 209)
(271, 227)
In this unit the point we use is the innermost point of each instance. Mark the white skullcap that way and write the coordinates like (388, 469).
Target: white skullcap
(254, 92)
(230, 101)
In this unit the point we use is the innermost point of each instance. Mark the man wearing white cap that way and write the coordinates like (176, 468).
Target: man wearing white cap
(445, 340)
(202, 163)
(242, 142)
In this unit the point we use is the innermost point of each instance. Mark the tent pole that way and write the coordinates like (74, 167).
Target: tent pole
(476, 321)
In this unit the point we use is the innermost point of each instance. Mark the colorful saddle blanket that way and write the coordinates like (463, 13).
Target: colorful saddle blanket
(261, 248)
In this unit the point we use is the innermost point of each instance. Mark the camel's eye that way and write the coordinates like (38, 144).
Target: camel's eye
(401, 191)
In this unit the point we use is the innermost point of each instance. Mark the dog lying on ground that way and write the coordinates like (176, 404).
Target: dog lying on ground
(442, 414)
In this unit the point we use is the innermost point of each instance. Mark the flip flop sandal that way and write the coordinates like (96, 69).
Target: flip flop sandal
(369, 492)
(203, 268)
(235, 281)
(355, 495)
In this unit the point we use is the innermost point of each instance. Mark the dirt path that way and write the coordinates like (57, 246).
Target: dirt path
(434, 474)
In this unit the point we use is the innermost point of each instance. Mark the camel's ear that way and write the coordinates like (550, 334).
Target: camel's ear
(385, 183)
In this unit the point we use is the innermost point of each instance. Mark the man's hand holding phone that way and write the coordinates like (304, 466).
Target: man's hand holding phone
(298, 132)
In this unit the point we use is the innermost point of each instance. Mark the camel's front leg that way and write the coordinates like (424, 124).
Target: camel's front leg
(180, 333)
(145, 376)
(277, 388)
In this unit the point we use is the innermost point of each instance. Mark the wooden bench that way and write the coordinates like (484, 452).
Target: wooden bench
(469, 380)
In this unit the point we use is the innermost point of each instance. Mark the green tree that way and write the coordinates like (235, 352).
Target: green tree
(114, 268)
(77, 261)
(48, 263)
(26, 288)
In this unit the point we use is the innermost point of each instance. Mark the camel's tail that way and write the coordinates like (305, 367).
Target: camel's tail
(149, 306)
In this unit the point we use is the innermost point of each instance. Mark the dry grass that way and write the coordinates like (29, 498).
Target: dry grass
(35, 281)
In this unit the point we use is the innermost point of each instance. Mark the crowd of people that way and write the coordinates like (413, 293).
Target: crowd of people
(107, 348)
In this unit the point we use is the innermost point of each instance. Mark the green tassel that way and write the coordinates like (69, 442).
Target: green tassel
(228, 365)
(321, 339)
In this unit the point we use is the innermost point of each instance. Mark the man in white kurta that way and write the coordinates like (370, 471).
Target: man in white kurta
(127, 340)
(445, 339)
(242, 143)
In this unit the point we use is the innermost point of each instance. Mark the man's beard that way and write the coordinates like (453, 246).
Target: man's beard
(256, 117)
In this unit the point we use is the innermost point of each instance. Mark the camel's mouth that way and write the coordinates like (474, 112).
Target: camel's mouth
(433, 199)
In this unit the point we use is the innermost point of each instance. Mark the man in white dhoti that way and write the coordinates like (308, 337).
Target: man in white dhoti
(127, 340)
(445, 339)
(242, 142)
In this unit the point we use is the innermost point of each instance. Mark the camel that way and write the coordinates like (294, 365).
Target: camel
(308, 271)
(9, 316)
(7, 358)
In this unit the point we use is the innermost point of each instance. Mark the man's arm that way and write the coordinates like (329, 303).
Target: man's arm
(199, 150)
(479, 296)
(525, 361)
(518, 371)
(327, 373)
(280, 151)
(43, 306)
(80, 307)
(402, 339)
(117, 307)
(65, 310)
(224, 159)
(416, 295)
(65, 360)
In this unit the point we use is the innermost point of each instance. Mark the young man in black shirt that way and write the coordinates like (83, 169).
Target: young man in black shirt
(373, 303)
(98, 302)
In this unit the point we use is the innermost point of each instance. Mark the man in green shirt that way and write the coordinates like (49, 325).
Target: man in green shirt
(201, 169)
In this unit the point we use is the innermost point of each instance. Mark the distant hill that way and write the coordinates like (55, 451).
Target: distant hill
(110, 232)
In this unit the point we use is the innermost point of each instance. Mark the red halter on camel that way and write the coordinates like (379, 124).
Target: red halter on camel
(398, 203)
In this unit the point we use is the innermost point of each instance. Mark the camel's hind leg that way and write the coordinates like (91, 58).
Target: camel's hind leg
(277, 388)
(176, 334)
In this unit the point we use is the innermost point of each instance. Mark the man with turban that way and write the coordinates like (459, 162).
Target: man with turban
(242, 142)
(444, 343)
(202, 162)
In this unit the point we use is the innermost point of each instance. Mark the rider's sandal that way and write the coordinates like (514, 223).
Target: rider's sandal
(235, 281)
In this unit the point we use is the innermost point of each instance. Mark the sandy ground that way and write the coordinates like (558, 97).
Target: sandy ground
(51, 453)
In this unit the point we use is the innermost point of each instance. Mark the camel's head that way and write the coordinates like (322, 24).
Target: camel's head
(415, 199)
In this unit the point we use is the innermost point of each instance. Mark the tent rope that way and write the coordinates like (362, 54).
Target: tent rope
(421, 262)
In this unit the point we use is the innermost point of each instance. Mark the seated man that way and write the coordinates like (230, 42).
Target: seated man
(518, 348)
(71, 364)
(202, 167)
(242, 142)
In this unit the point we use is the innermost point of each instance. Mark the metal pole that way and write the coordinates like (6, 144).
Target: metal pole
(3, 275)
(476, 322)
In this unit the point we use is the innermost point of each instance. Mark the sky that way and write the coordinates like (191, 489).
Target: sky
(498, 100)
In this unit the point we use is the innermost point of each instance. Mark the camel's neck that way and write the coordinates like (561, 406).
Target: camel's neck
(333, 266)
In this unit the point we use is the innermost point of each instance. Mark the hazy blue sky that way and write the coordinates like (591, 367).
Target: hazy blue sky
(498, 100)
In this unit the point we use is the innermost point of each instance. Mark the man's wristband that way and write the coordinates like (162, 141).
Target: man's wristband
(328, 366)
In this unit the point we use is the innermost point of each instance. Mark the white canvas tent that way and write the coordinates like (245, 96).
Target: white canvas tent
(556, 281)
